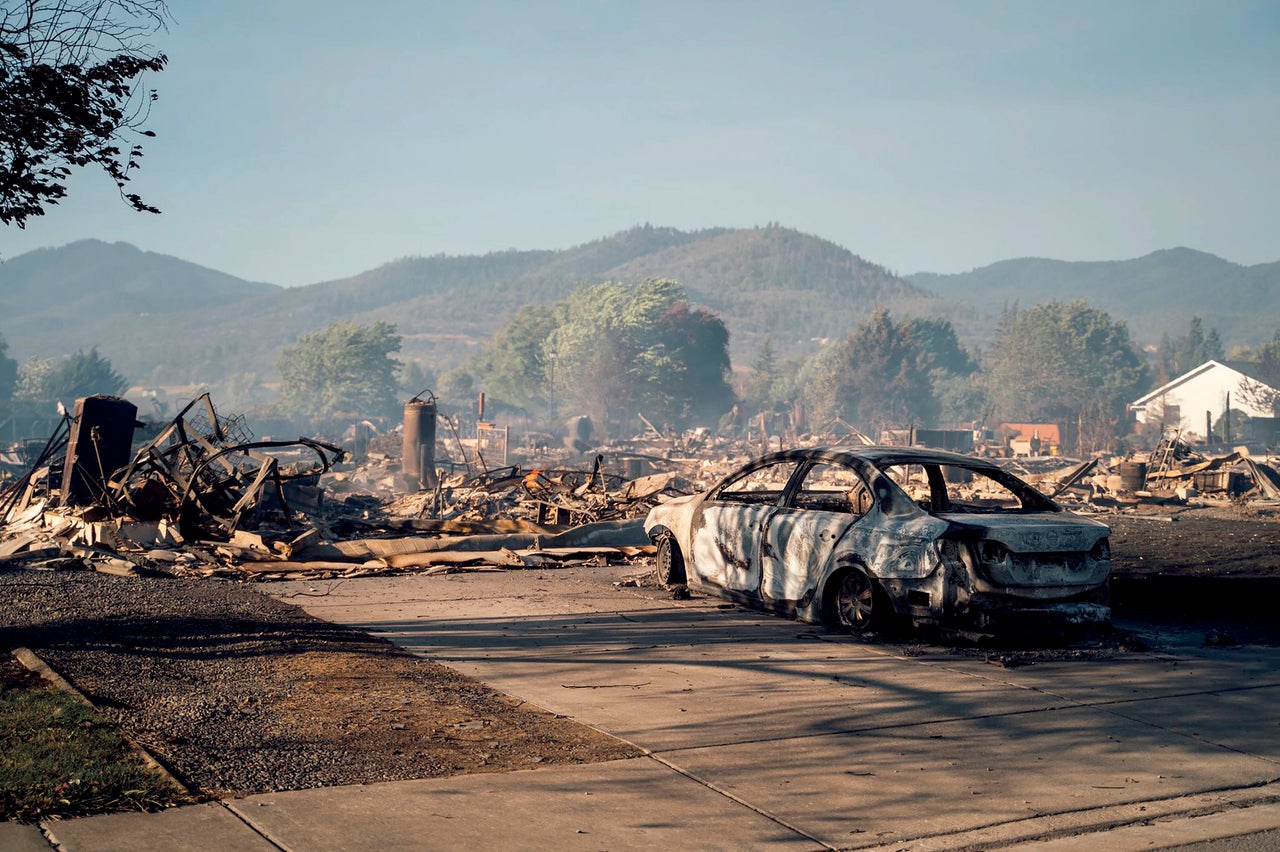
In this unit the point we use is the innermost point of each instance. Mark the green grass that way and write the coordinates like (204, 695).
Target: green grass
(59, 758)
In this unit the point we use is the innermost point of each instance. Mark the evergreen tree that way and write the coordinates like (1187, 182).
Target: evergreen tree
(1065, 363)
(877, 377)
(1264, 391)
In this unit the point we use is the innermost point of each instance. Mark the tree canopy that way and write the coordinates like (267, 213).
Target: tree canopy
(612, 351)
(876, 377)
(69, 97)
(937, 338)
(67, 379)
(8, 372)
(345, 368)
(622, 350)
(1066, 363)
(1264, 392)
(515, 364)
(1177, 356)
(692, 383)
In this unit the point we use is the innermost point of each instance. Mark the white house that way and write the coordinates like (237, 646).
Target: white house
(1209, 388)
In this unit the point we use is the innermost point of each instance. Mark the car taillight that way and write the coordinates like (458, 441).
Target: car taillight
(992, 552)
(1102, 550)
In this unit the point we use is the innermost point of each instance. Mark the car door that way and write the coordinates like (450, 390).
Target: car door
(727, 545)
(801, 535)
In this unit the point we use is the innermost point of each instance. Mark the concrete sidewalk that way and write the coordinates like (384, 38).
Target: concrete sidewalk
(765, 732)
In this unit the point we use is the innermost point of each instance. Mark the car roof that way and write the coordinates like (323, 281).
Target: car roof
(882, 455)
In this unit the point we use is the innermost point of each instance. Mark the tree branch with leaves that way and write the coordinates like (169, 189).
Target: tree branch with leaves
(71, 96)
(1263, 390)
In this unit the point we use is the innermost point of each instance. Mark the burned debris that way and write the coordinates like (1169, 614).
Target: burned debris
(1175, 472)
(207, 473)
(201, 495)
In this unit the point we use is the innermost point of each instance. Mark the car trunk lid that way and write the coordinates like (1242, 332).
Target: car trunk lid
(1042, 550)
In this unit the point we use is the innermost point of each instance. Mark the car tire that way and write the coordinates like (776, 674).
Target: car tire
(669, 563)
(857, 604)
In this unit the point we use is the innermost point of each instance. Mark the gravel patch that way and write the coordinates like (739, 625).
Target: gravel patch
(238, 693)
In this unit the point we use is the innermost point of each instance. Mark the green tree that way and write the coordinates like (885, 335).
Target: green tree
(1177, 356)
(1263, 390)
(52, 380)
(961, 398)
(876, 377)
(1166, 361)
(953, 371)
(1065, 363)
(458, 390)
(765, 385)
(414, 379)
(1213, 348)
(788, 387)
(937, 337)
(694, 386)
(69, 96)
(592, 355)
(515, 366)
(823, 385)
(345, 368)
(1197, 346)
(621, 349)
(8, 373)
(765, 370)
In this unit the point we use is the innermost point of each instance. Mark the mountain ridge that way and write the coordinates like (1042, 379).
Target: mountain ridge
(164, 320)
(1156, 293)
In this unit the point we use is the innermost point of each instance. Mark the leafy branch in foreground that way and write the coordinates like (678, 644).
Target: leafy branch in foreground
(70, 72)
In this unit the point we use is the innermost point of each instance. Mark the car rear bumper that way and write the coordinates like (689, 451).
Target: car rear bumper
(1010, 615)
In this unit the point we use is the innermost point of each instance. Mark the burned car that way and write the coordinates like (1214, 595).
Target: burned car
(864, 537)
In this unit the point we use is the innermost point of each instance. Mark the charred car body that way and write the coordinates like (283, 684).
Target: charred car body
(858, 538)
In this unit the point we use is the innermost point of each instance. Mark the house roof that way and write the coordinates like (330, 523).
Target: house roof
(1244, 368)
(1047, 432)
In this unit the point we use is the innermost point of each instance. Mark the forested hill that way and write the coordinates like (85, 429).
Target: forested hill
(1154, 294)
(163, 320)
(778, 282)
(769, 281)
(56, 300)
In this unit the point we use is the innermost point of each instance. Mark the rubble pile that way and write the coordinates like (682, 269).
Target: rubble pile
(202, 497)
(1173, 473)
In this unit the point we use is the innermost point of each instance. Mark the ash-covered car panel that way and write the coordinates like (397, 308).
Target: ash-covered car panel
(859, 537)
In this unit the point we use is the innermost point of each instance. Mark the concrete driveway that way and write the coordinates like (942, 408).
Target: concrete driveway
(761, 732)
(842, 743)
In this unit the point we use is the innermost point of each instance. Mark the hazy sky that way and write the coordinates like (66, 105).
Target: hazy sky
(304, 140)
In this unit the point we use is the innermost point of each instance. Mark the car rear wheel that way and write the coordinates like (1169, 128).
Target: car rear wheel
(859, 605)
(669, 561)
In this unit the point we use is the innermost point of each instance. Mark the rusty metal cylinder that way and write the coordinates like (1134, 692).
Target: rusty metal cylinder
(419, 464)
(1133, 475)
